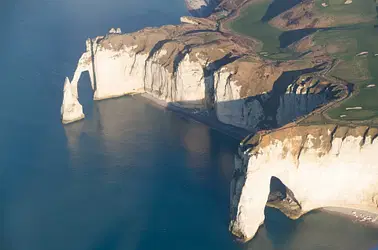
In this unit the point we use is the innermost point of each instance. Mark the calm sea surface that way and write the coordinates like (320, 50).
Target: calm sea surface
(131, 176)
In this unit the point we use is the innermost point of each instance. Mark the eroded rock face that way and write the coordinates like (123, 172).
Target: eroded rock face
(201, 8)
(194, 67)
(323, 166)
(71, 109)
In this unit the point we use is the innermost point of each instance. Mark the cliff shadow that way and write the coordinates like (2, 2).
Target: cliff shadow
(86, 94)
(281, 207)
(291, 36)
(279, 93)
(277, 7)
(224, 121)
(282, 198)
(270, 110)
(93, 66)
(209, 72)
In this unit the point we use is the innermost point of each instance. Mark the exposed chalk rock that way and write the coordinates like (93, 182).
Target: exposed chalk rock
(193, 71)
(243, 113)
(323, 166)
(188, 20)
(201, 8)
(71, 110)
(115, 31)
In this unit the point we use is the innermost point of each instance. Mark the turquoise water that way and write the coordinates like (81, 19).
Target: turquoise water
(131, 176)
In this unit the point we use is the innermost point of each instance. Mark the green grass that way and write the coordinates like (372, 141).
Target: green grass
(343, 44)
(360, 70)
(249, 24)
(359, 9)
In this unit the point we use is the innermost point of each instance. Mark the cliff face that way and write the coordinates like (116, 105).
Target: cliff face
(321, 166)
(201, 8)
(71, 109)
(193, 66)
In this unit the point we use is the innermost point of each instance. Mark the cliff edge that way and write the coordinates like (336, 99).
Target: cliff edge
(320, 166)
(194, 66)
(203, 68)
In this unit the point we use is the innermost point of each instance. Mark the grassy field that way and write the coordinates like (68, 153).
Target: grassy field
(360, 70)
(249, 23)
(358, 10)
(343, 42)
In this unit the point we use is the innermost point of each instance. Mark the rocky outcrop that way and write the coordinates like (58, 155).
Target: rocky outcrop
(115, 31)
(320, 166)
(71, 109)
(193, 66)
(210, 24)
(201, 8)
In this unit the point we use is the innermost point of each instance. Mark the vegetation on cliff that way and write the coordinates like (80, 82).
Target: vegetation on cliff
(322, 30)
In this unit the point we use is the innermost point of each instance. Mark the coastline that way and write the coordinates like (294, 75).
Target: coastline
(209, 120)
(366, 217)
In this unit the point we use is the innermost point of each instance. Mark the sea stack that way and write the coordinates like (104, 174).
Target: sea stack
(71, 110)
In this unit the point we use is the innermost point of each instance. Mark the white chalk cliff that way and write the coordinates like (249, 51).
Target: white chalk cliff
(195, 70)
(322, 166)
(201, 8)
(71, 109)
(193, 66)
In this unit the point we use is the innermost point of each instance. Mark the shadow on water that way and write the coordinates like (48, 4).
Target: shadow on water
(174, 198)
(280, 229)
(177, 197)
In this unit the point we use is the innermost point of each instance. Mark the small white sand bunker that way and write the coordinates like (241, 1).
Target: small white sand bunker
(370, 86)
(348, 2)
(342, 116)
(353, 108)
(324, 5)
(363, 53)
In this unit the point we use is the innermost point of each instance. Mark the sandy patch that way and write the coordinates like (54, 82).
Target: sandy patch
(357, 215)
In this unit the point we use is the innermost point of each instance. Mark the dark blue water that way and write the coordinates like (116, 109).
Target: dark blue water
(131, 176)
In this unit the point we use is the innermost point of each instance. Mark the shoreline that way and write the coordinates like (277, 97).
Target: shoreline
(209, 120)
(357, 215)
(366, 217)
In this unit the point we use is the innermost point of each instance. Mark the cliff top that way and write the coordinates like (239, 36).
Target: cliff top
(314, 137)
(321, 30)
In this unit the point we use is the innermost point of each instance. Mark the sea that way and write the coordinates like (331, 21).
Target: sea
(132, 175)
